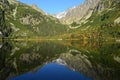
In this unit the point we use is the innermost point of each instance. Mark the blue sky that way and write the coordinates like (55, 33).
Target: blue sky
(53, 6)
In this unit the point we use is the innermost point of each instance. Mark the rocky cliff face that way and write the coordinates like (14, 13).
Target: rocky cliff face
(85, 10)
(106, 4)
(93, 16)
(78, 12)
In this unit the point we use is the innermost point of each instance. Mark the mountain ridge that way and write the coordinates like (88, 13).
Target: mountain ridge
(77, 12)
(29, 21)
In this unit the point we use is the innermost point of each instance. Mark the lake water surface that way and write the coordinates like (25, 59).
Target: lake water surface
(59, 60)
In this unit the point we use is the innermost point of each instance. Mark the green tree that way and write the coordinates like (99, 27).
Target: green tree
(4, 6)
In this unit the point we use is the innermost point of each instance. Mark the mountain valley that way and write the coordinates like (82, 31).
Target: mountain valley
(93, 19)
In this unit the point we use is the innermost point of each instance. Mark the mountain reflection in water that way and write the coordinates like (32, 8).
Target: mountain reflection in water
(59, 60)
(52, 71)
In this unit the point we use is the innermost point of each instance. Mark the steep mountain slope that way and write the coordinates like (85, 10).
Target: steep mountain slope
(77, 12)
(29, 21)
(105, 12)
(93, 19)
(105, 18)
(4, 29)
(102, 22)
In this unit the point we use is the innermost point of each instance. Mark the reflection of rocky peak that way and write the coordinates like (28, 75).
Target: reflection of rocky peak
(29, 57)
(60, 61)
(84, 65)
(79, 60)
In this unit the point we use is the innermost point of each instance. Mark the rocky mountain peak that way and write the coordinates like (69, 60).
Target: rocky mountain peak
(77, 12)
(34, 6)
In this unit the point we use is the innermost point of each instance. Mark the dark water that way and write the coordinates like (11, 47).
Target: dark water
(59, 60)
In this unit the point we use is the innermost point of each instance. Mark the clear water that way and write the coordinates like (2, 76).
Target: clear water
(52, 71)
(59, 60)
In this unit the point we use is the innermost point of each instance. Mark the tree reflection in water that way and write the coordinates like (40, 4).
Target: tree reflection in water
(95, 60)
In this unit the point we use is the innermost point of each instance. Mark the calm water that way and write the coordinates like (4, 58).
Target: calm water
(59, 60)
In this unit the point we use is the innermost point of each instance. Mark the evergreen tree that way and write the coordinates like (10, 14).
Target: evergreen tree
(4, 6)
